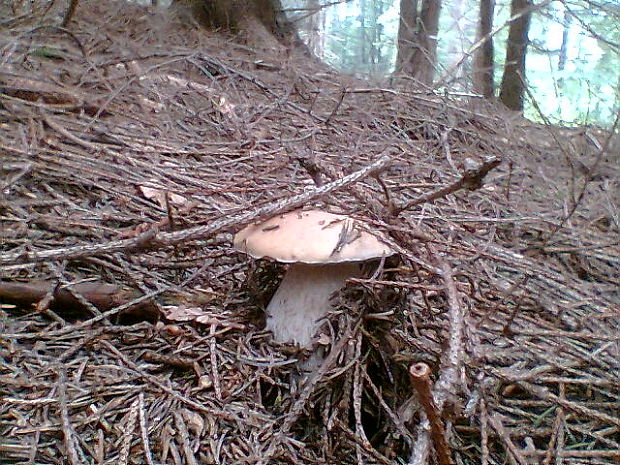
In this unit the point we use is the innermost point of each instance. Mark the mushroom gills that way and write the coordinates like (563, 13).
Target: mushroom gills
(303, 298)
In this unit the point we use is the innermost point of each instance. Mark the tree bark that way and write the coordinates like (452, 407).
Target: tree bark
(375, 50)
(363, 34)
(313, 24)
(483, 58)
(424, 59)
(419, 57)
(261, 23)
(564, 50)
(371, 39)
(513, 81)
(406, 35)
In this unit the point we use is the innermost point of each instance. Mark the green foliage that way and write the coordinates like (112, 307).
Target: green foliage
(587, 90)
(360, 38)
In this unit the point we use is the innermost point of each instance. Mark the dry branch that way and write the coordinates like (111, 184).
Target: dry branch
(452, 363)
(152, 239)
(67, 298)
(471, 179)
(420, 375)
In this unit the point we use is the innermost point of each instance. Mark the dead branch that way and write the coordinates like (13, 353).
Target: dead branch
(420, 375)
(472, 179)
(452, 361)
(74, 298)
(153, 240)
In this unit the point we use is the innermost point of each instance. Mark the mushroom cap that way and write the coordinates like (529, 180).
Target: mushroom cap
(311, 236)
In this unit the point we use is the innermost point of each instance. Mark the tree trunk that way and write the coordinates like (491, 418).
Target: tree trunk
(420, 61)
(375, 50)
(424, 60)
(483, 58)
(363, 34)
(564, 50)
(457, 47)
(373, 36)
(312, 25)
(513, 81)
(406, 35)
(261, 23)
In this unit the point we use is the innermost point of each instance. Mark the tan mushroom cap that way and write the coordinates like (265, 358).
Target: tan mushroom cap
(311, 236)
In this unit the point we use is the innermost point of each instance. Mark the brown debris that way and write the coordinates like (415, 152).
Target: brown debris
(507, 285)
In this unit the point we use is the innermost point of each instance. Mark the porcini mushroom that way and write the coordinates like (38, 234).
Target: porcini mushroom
(324, 250)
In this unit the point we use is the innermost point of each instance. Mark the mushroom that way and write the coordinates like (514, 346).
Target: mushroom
(324, 250)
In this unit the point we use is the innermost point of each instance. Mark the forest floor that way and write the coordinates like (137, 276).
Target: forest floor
(132, 148)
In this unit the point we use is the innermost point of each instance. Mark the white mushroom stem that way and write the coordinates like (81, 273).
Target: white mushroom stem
(303, 298)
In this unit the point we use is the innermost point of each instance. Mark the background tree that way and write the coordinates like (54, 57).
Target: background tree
(406, 35)
(483, 71)
(573, 62)
(260, 22)
(513, 81)
(419, 56)
(573, 82)
(314, 25)
(562, 59)
(371, 37)
(456, 24)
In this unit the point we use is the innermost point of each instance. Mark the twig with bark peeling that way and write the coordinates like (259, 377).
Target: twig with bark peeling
(453, 357)
(472, 179)
(420, 375)
(67, 427)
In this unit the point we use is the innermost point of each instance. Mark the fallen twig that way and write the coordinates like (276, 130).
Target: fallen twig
(153, 239)
(71, 298)
(471, 180)
(453, 357)
(420, 375)
(67, 427)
